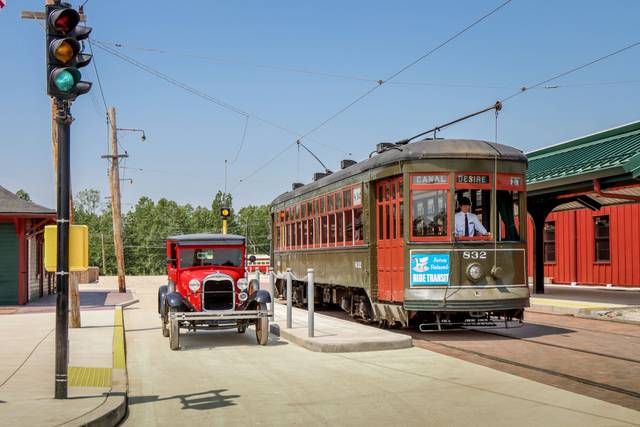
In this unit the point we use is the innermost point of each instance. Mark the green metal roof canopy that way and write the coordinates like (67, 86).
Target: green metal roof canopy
(605, 154)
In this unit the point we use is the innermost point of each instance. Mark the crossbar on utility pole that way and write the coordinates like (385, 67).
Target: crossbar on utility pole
(114, 175)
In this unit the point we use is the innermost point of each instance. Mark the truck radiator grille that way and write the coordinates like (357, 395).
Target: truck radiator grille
(218, 295)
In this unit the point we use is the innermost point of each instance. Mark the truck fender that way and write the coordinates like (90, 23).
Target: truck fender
(261, 295)
(174, 300)
(162, 297)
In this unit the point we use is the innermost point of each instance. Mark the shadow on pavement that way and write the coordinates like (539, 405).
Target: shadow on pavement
(207, 400)
(222, 338)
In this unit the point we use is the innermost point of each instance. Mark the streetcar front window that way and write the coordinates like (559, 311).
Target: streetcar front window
(429, 213)
(509, 213)
(473, 213)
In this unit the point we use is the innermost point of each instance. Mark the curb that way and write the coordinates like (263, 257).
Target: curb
(314, 344)
(114, 408)
(582, 313)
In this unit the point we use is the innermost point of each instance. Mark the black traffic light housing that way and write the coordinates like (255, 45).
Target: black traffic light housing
(64, 52)
(225, 213)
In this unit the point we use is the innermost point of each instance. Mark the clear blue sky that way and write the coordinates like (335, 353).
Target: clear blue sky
(188, 138)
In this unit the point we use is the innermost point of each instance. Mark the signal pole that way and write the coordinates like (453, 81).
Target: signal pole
(63, 121)
(114, 175)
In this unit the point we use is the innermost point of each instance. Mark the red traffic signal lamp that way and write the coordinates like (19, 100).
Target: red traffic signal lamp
(64, 52)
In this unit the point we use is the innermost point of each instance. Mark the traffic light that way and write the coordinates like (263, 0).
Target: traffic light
(225, 213)
(64, 52)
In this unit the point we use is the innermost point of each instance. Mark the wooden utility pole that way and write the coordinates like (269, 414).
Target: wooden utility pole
(114, 175)
(104, 258)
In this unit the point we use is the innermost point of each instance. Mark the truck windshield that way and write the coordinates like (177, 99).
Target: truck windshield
(209, 256)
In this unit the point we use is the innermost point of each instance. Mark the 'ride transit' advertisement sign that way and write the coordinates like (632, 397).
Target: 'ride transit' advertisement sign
(430, 269)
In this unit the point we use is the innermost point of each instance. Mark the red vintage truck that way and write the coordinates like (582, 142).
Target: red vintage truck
(208, 288)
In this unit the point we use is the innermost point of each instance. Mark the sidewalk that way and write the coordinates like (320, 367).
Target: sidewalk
(97, 369)
(331, 335)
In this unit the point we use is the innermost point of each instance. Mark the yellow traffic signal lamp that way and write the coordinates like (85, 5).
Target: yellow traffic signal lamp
(225, 213)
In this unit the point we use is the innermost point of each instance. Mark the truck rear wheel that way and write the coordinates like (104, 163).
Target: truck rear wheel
(174, 333)
(262, 327)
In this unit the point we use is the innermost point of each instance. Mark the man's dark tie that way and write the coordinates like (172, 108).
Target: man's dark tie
(466, 225)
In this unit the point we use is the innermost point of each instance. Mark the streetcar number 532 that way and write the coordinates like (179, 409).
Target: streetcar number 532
(474, 254)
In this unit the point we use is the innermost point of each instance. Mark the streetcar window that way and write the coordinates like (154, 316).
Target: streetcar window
(429, 213)
(401, 215)
(357, 225)
(278, 237)
(310, 208)
(394, 234)
(340, 230)
(348, 226)
(310, 225)
(347, 199)
(330, 203)
(332, 229)
(480, 207)
(338, 200)
(324, 230)
(322, 204)
(508, 211)
(304, 233)
(380, 223)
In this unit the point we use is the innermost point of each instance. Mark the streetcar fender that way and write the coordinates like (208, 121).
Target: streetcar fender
(162, 298)
(261, 295)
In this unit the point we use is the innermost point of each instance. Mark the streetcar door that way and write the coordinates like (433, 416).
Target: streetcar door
(390, 206)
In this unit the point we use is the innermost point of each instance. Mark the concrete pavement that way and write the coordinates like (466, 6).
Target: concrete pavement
(97, 384)
(225, 378)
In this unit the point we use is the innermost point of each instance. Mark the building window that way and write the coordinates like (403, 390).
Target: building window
(601, 225)
(549, 241)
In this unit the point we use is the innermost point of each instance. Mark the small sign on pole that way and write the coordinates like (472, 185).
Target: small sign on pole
(78, 247)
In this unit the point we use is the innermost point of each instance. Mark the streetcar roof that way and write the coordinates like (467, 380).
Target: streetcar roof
(425, 149)
(206, 238)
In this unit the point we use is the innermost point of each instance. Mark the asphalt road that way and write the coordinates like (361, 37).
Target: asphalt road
(225, 378)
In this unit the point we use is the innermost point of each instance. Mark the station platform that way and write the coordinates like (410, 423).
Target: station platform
(334, 335)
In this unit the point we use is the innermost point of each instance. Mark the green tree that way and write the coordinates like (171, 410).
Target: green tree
(23, 195)
(254, 223)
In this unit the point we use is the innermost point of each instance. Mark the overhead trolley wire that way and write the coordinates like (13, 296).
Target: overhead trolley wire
(378, 84)
(572, 70)
(194, 91)
(406, 67)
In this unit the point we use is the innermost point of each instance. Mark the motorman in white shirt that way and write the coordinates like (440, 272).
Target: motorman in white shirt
(467, 223)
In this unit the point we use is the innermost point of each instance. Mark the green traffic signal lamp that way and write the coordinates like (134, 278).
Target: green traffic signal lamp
(65, 79)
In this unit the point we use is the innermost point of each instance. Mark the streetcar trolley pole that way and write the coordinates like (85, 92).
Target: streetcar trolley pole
(310, 302)
(289, 297)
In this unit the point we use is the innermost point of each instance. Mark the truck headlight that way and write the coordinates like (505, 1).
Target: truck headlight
(242, 296)
(474, 271)
(194, 285)
(242, 284)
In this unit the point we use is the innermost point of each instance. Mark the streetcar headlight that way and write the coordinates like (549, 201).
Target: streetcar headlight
(474, 271)
(242, 284)
(194, 285)
(242, 296)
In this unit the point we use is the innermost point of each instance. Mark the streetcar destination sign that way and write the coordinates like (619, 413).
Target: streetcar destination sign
(473, 179)
(430, 179)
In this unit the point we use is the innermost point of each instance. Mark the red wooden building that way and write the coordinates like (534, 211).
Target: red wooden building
(22, 276)
(588, 191)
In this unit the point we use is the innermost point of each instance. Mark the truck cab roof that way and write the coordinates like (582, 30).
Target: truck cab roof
(202, 239)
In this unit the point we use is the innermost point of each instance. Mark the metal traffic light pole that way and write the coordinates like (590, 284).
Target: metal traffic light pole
(63, 121)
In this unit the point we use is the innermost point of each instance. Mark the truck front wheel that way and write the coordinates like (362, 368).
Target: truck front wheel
(262, 327)
(174, 333)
